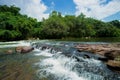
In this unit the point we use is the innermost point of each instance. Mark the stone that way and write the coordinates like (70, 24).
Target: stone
(104, 59)
(86, 56)
(112, 54)
(24, 49)
(9, 52)
(18, 49)
(27, 49)
(106, 50)
(113, 65)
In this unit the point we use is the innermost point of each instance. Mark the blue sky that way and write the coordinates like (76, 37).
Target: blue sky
(64, 6)
(98, 9)
(115, 16)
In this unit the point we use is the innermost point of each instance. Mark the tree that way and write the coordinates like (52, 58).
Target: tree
(15, 26)
(54, 27)
(115, 23)
(14, 10)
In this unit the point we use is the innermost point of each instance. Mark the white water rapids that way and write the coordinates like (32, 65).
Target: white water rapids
(53, 63)
(59, 67)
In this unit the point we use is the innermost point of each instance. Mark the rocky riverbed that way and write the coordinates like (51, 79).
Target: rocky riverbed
(110, 51)
(59, 60)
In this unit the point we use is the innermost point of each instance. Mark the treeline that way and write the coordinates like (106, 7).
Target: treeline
(15, 26)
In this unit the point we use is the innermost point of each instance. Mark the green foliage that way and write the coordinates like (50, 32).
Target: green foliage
(9, 35)
(54, 27)
(115, 23)
(14, 26)
(14, 10)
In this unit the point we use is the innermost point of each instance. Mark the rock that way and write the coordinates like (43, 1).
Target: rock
(18, 49)
(109, 53)
(104, 59)
(24, 49)
(113, 65)
(27, 49)
(86, 56)
(44, 47)
(107, 50)
(112, 54)
(9, 52)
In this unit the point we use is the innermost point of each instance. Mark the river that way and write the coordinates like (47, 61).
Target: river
(51, 60)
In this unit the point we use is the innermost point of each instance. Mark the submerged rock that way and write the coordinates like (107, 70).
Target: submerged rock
(9, 52)
(24, 49)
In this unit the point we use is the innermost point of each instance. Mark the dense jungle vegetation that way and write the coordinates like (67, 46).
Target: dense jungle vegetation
(15, 26)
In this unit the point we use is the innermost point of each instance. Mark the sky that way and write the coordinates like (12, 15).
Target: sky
(115, 16)
(98, 9)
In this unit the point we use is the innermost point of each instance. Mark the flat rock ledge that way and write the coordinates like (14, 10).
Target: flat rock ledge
(110, 51)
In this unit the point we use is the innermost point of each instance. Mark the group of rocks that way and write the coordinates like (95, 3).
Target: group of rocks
(110, 51)
(20, 49)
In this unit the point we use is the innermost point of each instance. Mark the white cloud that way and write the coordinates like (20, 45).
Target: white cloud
(32, 8)
(97, 8)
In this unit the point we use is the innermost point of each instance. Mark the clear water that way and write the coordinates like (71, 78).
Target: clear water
(50, 63)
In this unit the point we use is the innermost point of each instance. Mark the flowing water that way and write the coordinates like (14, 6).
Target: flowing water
(52, 60)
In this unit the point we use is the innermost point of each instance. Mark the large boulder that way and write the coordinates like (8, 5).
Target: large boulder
(24, 49)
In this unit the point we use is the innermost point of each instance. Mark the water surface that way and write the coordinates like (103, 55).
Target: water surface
(51, 63)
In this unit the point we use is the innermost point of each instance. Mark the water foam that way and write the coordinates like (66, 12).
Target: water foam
(59, 66)
(14, 44)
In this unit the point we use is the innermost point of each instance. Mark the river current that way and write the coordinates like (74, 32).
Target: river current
(58, 60)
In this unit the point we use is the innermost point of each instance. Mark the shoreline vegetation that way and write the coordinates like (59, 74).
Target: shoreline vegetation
(15, 26)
